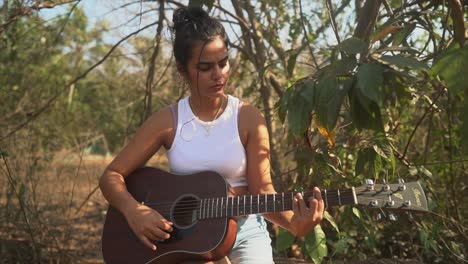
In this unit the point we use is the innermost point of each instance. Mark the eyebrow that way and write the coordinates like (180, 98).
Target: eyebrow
(210, 63)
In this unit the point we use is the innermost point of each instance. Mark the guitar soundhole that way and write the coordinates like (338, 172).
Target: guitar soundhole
(184, 211)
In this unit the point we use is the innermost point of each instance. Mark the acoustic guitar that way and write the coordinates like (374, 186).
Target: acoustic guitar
(203, 215)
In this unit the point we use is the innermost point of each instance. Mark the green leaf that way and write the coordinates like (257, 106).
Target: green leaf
(368, 163)
(353, 45)
(370, 81)
(284, 239)
(364, 112)
(329, 95)
(299, 112)
(356, 212)
(400, 36)
(330, 219)
(452, 66)
(284, 104)
(308, 92)
(402, 62)
(316, 244)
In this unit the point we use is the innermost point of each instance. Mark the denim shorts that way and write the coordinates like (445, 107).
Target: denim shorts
(253, 243)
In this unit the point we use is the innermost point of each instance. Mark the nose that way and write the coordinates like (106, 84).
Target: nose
(217, 72)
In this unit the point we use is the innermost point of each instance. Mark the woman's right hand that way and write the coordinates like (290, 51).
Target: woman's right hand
(148, 224)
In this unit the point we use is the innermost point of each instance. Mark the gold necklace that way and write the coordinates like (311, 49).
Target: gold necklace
(207, 125)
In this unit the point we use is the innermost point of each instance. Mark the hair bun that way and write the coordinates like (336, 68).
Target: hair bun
(185, 15)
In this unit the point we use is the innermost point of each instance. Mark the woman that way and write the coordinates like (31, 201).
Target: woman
(198, 132)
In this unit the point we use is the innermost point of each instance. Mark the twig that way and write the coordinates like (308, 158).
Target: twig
(152, 64)
(22, 206)
(34, 115)
(306, 36)
(429, 108)
(332, 20)
(27, 11)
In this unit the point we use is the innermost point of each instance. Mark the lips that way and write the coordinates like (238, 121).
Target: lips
(218, 86)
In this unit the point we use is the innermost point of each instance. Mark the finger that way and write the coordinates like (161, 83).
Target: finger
(165, 225)
(295, 206)
(302, 206)
(313, 205)
(317, 193)
(160, 235)
(147, 243)
(321, 205)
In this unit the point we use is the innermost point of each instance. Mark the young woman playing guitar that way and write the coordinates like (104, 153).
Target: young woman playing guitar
(208, 130)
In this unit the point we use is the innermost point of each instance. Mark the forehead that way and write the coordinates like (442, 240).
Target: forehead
(212, 51)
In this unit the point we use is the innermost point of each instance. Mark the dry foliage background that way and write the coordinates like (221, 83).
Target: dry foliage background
(350, 90)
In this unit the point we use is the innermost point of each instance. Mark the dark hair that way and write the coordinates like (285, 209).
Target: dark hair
(193, 25)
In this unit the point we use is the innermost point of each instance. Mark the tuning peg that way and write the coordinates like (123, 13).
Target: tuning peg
(379, 217)
(370, 184)
(402, 186)
(392, 217)
(385, 186)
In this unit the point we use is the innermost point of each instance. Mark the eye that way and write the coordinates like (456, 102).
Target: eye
(204, 67)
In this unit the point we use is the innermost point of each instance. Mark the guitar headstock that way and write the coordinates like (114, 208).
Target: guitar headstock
(401, 196)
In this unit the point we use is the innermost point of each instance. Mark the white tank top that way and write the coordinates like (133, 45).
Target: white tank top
(209, 146)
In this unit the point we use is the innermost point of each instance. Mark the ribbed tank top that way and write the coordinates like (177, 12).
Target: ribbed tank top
(209, 146)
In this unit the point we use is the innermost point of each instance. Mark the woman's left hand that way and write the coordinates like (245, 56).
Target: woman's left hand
(306, 218)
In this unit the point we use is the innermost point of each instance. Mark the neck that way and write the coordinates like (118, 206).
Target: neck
(207, 109)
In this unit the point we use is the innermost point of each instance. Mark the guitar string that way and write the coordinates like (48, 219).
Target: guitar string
(277, 196)
(213, 210)
(210, 201)
(213, 213)
(189, 208)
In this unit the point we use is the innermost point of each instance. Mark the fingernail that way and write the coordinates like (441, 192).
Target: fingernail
(154, 248)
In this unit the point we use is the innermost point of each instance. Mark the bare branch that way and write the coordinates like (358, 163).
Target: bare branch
(27, 11)
(152, 65)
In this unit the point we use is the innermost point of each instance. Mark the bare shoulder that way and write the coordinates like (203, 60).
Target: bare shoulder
(252, 124)
(251, 115)
(161, 124)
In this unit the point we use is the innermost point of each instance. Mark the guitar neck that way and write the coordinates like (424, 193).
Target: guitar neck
(266, 203)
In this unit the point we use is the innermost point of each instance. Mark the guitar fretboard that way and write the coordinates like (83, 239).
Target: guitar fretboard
(266, 203)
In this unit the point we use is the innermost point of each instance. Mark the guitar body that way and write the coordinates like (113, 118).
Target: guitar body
(174, 197)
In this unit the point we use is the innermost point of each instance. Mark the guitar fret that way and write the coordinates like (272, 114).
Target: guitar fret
(243, 212)
(207, 215)
(266, 199)
(258, 203)
(217, 200)
(274, 203)
(221, 208)
(326, 198)
(200, 209)
(205, 201)
(282, 197)
(339, 197)
(232, 206)
(250, 204)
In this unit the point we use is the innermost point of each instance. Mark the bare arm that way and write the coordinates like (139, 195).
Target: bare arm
(302, 219)
(155, 132)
